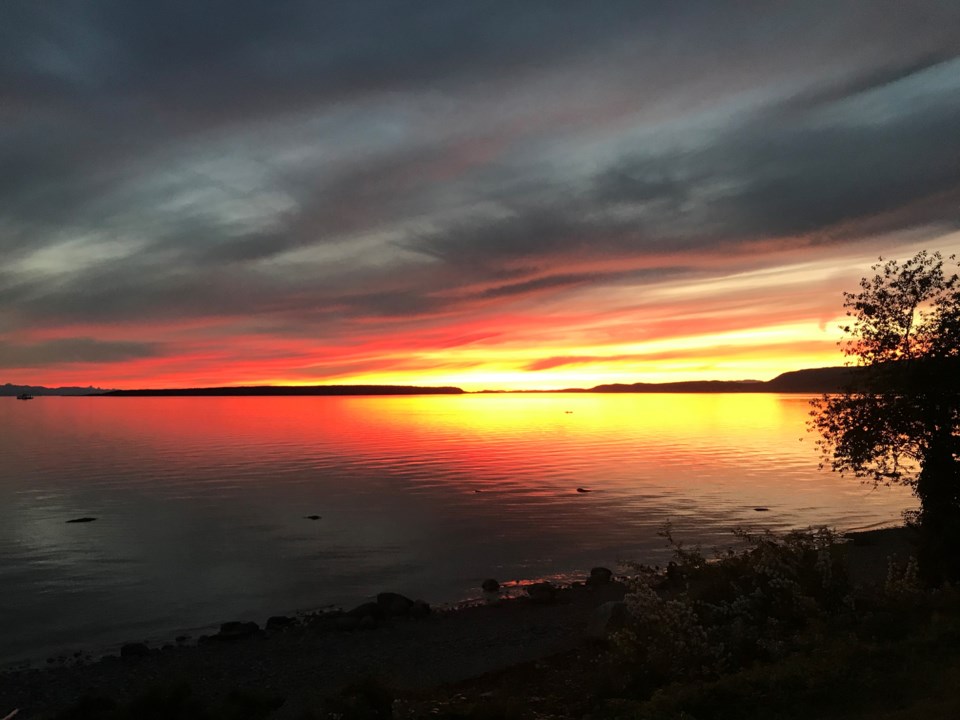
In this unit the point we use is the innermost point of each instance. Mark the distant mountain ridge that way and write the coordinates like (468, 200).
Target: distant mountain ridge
(10, 390)
(288, 391)
(813, 380)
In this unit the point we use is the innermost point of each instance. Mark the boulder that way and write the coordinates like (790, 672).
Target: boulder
(600, 576)
(542, 592)
(394, 604)
(278, 622)
(347, 622)
(131, 650)
(236, 630)
(367, 622)
(607, 619)
(372, 609)
(490, 585)
(419, 609)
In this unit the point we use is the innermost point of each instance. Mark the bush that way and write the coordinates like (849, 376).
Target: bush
(700, 617)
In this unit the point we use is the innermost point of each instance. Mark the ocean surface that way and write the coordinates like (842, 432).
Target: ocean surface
(201, 503)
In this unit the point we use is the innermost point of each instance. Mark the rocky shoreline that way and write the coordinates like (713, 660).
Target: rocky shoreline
(398, 641)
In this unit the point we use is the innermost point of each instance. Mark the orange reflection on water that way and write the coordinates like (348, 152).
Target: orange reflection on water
(729, 450)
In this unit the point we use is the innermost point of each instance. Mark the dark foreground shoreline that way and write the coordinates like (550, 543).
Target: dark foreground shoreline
(318, 655)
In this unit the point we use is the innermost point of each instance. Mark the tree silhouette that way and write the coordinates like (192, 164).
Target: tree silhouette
(898, 421)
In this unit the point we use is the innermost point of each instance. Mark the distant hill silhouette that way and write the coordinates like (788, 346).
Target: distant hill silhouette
(9, 390)
(813, 380)
(828, 379)
(287, 391)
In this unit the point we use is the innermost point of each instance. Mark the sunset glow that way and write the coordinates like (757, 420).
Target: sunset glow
(362, 195)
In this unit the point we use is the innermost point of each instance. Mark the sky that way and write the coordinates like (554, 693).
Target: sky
(498, 195)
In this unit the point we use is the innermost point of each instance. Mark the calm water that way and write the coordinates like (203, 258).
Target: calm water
(201, 501)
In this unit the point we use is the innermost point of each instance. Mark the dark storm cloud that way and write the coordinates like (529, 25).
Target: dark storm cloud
(73, 350)
(888, 143)
(251, 51)
(465, 133)
(879, 148)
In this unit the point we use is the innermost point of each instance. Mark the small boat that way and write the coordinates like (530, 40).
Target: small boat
(24, 396)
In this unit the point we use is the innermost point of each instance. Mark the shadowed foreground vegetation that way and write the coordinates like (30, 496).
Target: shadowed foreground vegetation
(773, 628)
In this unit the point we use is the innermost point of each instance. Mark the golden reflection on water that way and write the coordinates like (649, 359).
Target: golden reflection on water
(423, 417)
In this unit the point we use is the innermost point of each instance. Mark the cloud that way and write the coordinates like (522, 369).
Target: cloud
(333, 171)
(73, 350)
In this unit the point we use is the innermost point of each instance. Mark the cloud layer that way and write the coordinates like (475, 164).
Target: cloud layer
(482, 193)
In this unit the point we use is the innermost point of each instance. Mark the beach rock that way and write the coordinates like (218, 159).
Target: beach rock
(367, 622)
(542, 592)
(419, 610)
(490, 585)
(607, 619)
(236, 630)
(278, 622)
(491, 591)
(131, 650)
(346, 622)
(82, 520)
(492, 598)
(599, 576)
(372, 609)
(394, 604)
(583, 490)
